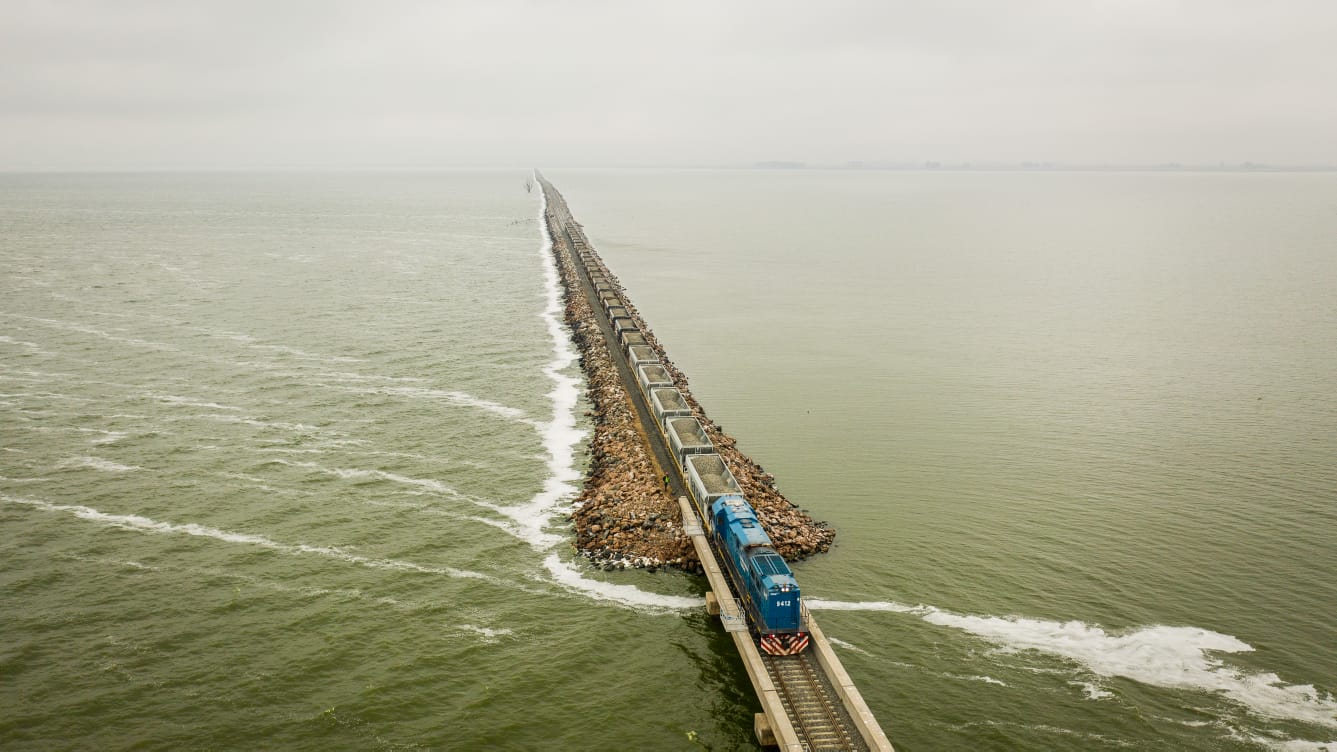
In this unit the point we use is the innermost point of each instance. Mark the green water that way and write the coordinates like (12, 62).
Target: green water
(1086, 421)
(283, 457)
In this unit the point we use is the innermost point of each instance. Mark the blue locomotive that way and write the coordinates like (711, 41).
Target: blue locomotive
(770, 592)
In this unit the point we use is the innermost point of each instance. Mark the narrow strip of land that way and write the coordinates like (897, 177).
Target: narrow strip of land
(807, 699)
(626, 514)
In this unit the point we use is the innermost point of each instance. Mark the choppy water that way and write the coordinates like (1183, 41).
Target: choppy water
(1077, 432)
(282, 457)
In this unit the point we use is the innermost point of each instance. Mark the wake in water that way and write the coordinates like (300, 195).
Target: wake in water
(358, 474)
(530, 521)
(564, 574)
(449, 396)
(79, 328)
(1161, 656)
(559, 434)
(144, 524)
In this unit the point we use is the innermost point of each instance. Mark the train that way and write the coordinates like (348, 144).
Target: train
(767, 588)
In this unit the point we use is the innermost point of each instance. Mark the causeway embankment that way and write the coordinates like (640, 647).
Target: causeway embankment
(625, 516)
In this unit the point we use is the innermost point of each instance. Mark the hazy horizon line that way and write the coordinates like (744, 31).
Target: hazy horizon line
(767, 165)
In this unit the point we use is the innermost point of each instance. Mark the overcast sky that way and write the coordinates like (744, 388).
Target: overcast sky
(402, 83)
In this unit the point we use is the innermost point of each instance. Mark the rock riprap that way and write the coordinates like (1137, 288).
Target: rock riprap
(624, 517)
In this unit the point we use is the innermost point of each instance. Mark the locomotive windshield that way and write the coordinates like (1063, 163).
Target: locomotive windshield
(772, 564)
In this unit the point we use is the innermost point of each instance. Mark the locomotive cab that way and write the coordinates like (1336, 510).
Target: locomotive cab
(778, 590)
(784, 632)
(770, 592)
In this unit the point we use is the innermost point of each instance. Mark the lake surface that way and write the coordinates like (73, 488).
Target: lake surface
(283, 458)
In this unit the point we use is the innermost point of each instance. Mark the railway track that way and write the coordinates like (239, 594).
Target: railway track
(811, 704)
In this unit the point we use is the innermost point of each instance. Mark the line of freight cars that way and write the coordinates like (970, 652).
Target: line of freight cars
(770, 594)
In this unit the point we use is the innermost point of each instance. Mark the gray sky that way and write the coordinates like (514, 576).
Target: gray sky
(404, 83)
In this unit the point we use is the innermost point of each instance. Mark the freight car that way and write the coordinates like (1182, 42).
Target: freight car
(765, 584)
(632, 337)
(767, 587)
(623, 324)
(642, 354)
(686, 437)
(665, 402)
(652, 376)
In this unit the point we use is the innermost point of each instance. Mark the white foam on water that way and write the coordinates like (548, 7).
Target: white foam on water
(245, 339)
(846, 646)
(417, 487)
(489, 634)
(397, 455)
(254, 343)
(1190, 724)
(289, 450)
(1092, 690)
(559, 434)
(239, 420)
(560, 437)
(502, 525)
(824, 605)
(347, 376)
(32, 376)
(258, 482)
(977, 678)
(358, 474)
(453, 397)
(468, 400)
(524, 532)
(84, 329)
(304, 355)
(107, 437)
(571, 578)
(342, 443)
(146, 525)
(32, 347)
(1174, 657)
(1157, 655)
(121, 563)
(1287, 745)
(47, 396)
(175, 400)
(97, 463)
